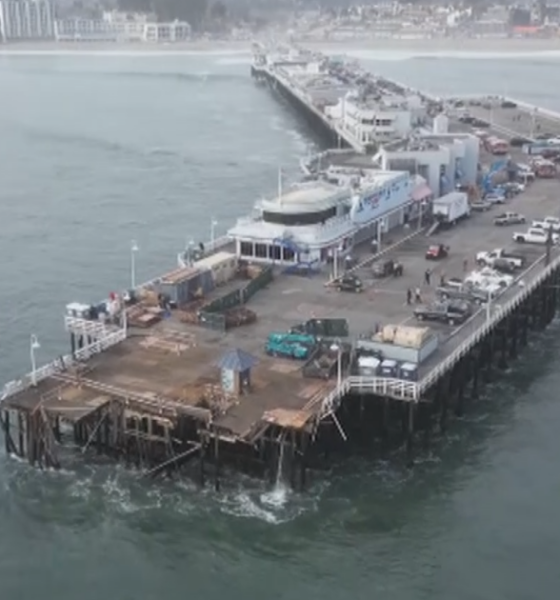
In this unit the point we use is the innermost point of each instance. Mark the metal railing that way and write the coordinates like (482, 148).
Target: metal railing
(56, 366)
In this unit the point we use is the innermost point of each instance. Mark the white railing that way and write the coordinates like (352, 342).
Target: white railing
(56, 366)
(209, 248)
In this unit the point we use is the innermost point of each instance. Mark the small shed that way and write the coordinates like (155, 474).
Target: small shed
(185, 284)
(236, 365)
(223, 266)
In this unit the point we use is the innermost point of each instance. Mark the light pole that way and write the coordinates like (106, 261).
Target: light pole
(213, 224)
(337, 347)
(34, 345)
(133, 250)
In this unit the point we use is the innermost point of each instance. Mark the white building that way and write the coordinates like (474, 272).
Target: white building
(372, 121)
(115, 27)
(309, 221)
(26, 20)
(444, 160)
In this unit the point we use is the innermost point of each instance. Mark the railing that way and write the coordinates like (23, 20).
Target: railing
(56, 366)
(209, 248)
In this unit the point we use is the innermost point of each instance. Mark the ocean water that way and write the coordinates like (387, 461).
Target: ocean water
(98, 150)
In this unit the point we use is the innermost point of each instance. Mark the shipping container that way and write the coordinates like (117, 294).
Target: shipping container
(185, 285)
(223, 266)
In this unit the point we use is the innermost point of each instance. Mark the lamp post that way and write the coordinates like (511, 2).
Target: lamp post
(133, 250)
(337, 347)
(34, 345)
(213, 224)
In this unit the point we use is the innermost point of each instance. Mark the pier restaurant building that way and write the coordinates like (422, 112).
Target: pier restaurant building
(309, 221)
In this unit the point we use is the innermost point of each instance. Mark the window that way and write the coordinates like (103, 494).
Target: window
(261, 250)
(299, 218)
(288, 254)
(246, 249)
(275, 252)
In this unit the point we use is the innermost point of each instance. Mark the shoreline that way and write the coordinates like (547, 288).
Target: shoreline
(452, 46)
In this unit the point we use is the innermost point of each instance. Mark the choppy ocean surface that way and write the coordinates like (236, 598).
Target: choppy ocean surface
(98, 150)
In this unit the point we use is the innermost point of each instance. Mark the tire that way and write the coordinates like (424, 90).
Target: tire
(520, 240)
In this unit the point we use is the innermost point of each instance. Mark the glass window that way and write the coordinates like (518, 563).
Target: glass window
(261, 250)
(299, 218)
(246, 249)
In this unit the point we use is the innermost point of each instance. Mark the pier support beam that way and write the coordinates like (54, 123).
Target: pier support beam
(410, 434)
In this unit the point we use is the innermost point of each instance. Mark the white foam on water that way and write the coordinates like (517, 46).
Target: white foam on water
(277, 497)
(412, 54)
(240, 59)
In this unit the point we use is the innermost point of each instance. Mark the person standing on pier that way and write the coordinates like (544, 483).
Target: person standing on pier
(409, 296)
(417, 296)
(442, 279)
(465, 265)
(427, 276)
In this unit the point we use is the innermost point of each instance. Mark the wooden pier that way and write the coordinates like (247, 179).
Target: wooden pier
(155, 395)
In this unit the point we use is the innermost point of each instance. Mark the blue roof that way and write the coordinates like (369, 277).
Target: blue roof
(237, 360)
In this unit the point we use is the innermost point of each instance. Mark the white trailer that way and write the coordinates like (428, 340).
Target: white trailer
(450, 208)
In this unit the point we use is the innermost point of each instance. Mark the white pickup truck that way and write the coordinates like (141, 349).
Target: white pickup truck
(534, 235)
(499, 254)
(548, 223)
(487, 277)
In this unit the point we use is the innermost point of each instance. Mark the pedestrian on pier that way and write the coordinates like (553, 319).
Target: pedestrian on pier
(442, 279)
(427, 276)
(409, 296)
(465, 265)
(417, 296)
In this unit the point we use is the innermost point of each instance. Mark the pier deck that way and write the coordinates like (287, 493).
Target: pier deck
(175, 364)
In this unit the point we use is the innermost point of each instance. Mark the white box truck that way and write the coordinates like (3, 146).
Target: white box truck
(451, 208)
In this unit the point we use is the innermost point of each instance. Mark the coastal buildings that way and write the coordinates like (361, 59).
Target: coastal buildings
(120, 27)
(26, 20)
(29, 20)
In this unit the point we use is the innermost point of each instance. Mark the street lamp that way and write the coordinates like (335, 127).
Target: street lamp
(337, 347)
(213, 224)
(133, 250)
(34, 345)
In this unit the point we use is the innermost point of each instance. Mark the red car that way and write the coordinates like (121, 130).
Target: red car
(437, 252)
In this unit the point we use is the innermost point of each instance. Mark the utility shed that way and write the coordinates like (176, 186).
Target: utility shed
(184, 285)
(400, 343)
(223, 266)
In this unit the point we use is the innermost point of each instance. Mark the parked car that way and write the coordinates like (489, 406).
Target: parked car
(488, 276)
(445, 312)
(387, 267)
(517, 142)
(548, 223)
(508, 104)
(534, 235)
(437, 252)
(350, 283)
(489, 258)
(468, 293)
(509, 218)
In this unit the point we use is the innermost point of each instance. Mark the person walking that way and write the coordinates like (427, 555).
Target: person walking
(409, 296)
(465, 265)
(427, 276)
(442, 279)
(417, 296)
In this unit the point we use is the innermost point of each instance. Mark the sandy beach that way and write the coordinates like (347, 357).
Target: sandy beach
(417, 46)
